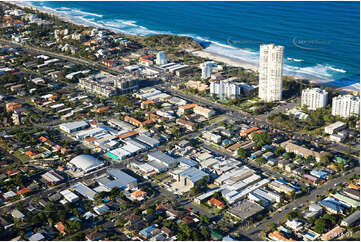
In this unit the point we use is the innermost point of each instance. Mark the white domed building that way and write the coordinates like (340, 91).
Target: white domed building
(86, 163)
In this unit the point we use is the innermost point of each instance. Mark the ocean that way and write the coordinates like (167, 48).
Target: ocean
(321, 39)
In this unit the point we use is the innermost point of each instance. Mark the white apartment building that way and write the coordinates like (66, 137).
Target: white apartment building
(107, 85)
(270, 72)
(206, 69)
(161, 58)
(345, 105)
(314, 98)
(225, 89)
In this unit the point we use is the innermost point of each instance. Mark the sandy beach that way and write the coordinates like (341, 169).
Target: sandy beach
(62, 17)
(352, 87)
(225, 59)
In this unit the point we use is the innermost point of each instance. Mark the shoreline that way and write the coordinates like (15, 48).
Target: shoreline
(231, 61)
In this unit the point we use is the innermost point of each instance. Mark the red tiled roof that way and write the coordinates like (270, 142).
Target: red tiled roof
(23, 191)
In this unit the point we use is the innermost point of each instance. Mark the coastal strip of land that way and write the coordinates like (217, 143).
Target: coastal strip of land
(206, 54)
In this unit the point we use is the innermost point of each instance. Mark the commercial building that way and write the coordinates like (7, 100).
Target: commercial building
(190, 177)
(239, 193)
(107, 85)
(206, 195)
(86, 163)
(186, 162)
(120, 125)
(270, 72)
(345, 106)
(161, 58)
(52, 178)
(206, 68)
(152, 142)
(347, 200)
(280, 187)
(331, 206)
(119, 179)
(163, 159)
(335, 127)
(69, 196)
(234, 175)
(118, 154)
(73, 126)
(352, 193)
(84, 190)
(271, 196)
(245, 210)
(314, 98)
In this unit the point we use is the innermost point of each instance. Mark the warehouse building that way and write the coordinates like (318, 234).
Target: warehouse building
(245, 210)
(117, 178)
(280, 187)
(73, 126)
(69, 196)
(163, 159)
(118, 154)
(148, 140)
(84, 190)
(271, 196)
(190, 177)
(335, 127)
(52, 178)
(86, 163)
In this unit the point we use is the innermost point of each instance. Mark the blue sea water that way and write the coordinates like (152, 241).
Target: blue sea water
(321, 39)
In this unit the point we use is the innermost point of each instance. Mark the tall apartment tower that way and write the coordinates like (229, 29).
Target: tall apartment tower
(206, 69)
(314, 98)
(345, 106)
(161, 58)
(270, 72)
(224, 89)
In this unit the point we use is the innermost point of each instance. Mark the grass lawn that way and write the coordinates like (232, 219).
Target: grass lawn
(160, 177)
(21, 156)
(217, 119)
(211, 209)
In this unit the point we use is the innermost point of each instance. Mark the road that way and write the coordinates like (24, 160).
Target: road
(65, 57)
(253, 233)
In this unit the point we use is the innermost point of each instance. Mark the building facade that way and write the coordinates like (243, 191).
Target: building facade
(107, 85)
(206, 69)
(345, 106)
(225, 89)
(314, 98)
(161, 58)
(270, 72)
